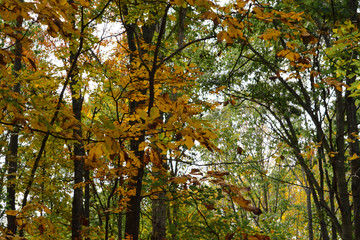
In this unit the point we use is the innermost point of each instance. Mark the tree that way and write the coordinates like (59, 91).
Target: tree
(290, 81)
(104, 110)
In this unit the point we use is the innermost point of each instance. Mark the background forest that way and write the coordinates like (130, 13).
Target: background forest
(180, 119)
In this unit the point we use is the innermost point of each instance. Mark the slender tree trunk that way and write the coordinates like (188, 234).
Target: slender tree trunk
(86, 221)
(11, 162)
(78, 156)
(132, 223)
(309, 214)
(352, 132)
(12, 154)
(159, 207)
(159, 211)
(79, 213)
(355, 164)
(339, 168)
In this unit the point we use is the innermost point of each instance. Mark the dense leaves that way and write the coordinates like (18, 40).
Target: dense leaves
(179, 119)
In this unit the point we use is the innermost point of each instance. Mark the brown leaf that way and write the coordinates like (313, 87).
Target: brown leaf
(255, 237)
(209, 206)
(239, 150)
(229, 236)
(195, 171)
(179, 180)
(217, 174)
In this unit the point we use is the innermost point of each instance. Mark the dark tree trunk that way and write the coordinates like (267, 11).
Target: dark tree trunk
(11, 160)
(78, 216)
(339, 169)
(12, 154)
(87, 199)
(352, 132)
(355, 164)
(132, 222)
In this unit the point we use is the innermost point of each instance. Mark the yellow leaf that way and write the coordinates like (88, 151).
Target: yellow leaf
(142, 146)
(84, 3)
(189, 142)
(172, 18)
(12, 212)
(220, 88)
(271, 34)
(142, 113)
(96, 152)
(154, 112)
(353, 157)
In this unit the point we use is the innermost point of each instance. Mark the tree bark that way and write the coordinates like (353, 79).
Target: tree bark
(78, 216)
(12, 154)
(132, 222)
(352, 132)
(339, 169)
(159, 214)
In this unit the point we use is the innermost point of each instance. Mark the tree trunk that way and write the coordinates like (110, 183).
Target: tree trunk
(87, 199)
(132, 223)
(79, 213)
(352, 132)
(159, 214)
(78, 217)
(12, 154)
(339, 169)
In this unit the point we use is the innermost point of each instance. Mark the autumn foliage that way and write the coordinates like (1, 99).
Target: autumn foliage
(107, 130)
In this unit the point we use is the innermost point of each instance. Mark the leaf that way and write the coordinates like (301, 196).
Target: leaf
(245, 204)
(209, 206)
(353, 157)
(12, 212)
(172, 18)
(223, 35)
(270, 34)
(195, 171)
(85, 3)
(179, 180)
(189, 142)
(230, 236)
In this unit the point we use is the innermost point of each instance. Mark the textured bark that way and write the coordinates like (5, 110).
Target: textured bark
(309, 214)
(78, 217)
(78, 213)
(12, 154)
(355, 164)
(132, 222)
(159, 215)
(86, 221)
(339, 169)
(159, 207)
(352, 130)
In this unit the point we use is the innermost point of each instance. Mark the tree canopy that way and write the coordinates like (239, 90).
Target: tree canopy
(179, 119)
